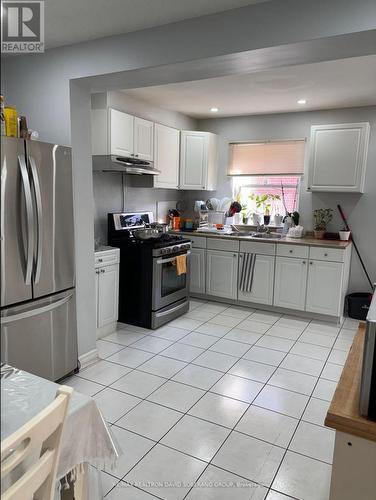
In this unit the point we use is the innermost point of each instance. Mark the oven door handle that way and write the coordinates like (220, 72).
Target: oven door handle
(176, 308)
(163, 261)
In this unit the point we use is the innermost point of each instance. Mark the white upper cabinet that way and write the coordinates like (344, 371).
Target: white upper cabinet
(117, 133)
(143, 139)
(120, 133)
(198, 160)
(337, 157)
(166, 156)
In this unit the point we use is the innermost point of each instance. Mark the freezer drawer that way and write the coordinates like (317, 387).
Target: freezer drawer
(41, 337)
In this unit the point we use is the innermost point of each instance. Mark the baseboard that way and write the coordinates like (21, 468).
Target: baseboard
(88, 358)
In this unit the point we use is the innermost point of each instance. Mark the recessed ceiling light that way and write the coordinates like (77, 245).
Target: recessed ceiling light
(214, 110)
(301, 101)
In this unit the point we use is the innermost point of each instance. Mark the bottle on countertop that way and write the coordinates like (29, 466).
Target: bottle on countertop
(11, 121)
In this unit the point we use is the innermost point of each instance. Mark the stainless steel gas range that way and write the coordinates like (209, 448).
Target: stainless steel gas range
(151, 292)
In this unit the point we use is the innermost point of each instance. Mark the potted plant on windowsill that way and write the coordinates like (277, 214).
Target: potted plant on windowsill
(264, 202)
(321, 218)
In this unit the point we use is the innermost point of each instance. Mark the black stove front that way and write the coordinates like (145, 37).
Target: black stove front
(151, 292)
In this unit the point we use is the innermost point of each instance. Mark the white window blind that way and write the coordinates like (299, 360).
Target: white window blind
(267, 158)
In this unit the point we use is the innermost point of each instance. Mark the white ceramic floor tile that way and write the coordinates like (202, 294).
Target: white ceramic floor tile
(103, 372)
(293, 321)
(201, 313)
(215, 360)
(338, 357)
(251, 325)
(226, 346)
(332, 372)
(347, 334)
(324, 389)
(314, 441)
(316, 411)
(214, 484)
(130, 357)
(162, 366)
(114, 404)
(196, 437)
(84, 386)
(284, 332)
(199, 340)
(108, 482)
(263, 355)
(215, 307)
(266, 317)
(342, 344)
(194, 303)
(323, 328)
(276, 343)
(134, 446)
(171, 333)
(213, 329)
(293, 381)
(183, 352)
(186, 323)
(152, 344)
(351, 324)
(252, 370)
(139, 383)
(105, 349)
(124, 491)
(311, 351)
(135, 328)
(164, 465)
(219, 409)
(243, 336)
(222, 319)
(286, 402)
(302, 477)
(267, 425)
(302, 364)
(198, 376)
(317, 339)
(238, 312)
(249, 458)
(176, 396)
(237, 388)
(124, 337)
(150, 420)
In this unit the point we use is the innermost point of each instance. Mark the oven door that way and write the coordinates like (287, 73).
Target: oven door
(168, 287)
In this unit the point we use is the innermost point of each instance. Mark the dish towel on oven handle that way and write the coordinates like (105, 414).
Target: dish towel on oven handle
(181, 264)
(247, 271)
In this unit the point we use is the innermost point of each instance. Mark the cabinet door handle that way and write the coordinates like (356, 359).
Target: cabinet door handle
(290, 251)
(311, 263)
(100, 260)
(97, 272)
(235, 254)
(325, 254)
(304, 262)
(103, 271)
(136, 156)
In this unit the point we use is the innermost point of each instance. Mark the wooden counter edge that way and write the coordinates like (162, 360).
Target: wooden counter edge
(343, 414)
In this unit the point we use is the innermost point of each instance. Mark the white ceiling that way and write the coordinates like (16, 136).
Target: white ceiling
(73, 21)
(331, 84)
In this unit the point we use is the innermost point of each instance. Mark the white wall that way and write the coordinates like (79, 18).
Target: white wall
(138, 192)
(360, 209)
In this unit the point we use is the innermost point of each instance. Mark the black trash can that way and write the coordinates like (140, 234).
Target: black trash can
(358, 305)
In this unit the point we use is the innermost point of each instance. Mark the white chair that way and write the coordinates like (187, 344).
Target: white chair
(40, 438)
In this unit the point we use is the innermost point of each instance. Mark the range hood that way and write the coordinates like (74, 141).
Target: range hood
(124, 164)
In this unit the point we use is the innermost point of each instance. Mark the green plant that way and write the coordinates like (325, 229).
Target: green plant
(262, 201)
(321, 218)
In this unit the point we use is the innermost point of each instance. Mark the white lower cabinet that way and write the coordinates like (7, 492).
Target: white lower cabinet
(324, 289)
(290, 283)
(263, 280)
(222, 274)
(198, 265)
(106, 291)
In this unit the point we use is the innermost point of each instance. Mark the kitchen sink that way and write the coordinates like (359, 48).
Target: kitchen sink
(266, 236)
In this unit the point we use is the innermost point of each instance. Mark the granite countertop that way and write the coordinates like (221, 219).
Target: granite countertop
(284, 240)
(104, 248)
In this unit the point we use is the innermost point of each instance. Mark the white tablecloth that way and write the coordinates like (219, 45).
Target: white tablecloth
(86, 437)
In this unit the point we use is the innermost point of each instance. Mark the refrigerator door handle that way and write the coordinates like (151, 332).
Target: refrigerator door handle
(34, 312)
(38, 201)
(29, 216)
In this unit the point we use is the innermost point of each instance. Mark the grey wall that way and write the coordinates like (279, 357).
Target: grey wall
(138, 193)
(360, 208)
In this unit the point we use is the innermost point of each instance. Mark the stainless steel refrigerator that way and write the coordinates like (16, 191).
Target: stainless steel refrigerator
(38, 315)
